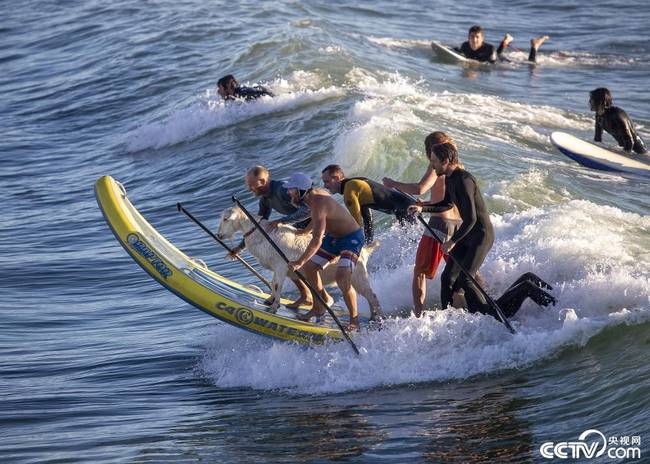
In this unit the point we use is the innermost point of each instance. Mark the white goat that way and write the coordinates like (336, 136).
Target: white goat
(234, 220)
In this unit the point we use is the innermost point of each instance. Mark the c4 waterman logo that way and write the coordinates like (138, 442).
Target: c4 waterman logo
(593, 444)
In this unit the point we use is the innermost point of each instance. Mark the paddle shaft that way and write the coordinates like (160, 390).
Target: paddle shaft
(489, 299)
(298, 273)
(239, 258)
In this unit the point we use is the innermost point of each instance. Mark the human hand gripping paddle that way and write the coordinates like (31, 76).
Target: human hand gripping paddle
(502, 317)
(181, 209)
(298, 273)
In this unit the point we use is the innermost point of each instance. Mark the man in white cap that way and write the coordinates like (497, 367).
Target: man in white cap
(335, 233)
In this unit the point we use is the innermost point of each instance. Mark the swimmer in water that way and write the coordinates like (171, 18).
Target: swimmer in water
(477, 49)
(229, 89)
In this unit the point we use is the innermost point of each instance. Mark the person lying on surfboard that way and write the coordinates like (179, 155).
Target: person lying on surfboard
(335, 233)
(477, 49)
(229, 89)
(615, 121)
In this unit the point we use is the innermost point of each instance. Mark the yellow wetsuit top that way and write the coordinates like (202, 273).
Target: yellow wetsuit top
(361, 195)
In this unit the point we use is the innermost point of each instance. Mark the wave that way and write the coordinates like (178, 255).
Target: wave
(594, 256)
(209, 112)
(571, 58)
(520, 56)
(394, 106)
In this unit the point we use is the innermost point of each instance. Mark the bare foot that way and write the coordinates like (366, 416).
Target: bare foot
(538, 41)
(300, 302)
(328, 299)
(307, 317)
(377, 316)
(353, 325)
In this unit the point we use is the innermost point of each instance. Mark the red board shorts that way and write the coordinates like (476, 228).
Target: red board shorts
(428, 256)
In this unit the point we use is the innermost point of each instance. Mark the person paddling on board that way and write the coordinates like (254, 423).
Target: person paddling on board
(472, 240)
(615, 121)
(362, 195)
(229, 89)
(335, 233)
(429, 253)
(477, 49)
(274, 197)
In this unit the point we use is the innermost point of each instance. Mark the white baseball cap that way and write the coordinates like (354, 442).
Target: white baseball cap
(299, 180)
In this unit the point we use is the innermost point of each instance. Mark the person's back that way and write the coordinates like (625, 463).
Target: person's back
(614, 121)
(618, 124)
(339, 221)
(251, 93)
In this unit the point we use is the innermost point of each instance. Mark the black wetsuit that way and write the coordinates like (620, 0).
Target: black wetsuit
(251, 93)
(473, 239)
(526, 286)
(362, 195)
(278, 199)
(487, 54)
(617, 123)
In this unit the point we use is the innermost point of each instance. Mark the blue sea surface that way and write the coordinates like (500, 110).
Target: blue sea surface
(101, 364)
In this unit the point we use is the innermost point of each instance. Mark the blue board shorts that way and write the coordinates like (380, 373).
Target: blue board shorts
(347, 247)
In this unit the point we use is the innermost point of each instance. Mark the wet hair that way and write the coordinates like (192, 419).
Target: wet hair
(229, 83)
(446, 152)
(601, 98)
(476, 29)
(436, 138)
(258, 172)
(333, 170)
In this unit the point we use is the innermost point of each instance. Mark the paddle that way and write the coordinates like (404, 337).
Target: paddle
(248, 266)
(298, 273)
(489, 299)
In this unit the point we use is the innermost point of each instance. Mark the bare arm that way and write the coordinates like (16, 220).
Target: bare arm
(318, 221)
(414, 188)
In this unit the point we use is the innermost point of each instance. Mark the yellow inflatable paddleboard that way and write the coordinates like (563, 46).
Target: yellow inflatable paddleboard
(191, 279)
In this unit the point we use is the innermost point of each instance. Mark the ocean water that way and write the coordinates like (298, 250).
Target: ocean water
(101, 364)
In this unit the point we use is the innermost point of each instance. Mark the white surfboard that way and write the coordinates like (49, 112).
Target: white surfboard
(447, 54)
(595, 157)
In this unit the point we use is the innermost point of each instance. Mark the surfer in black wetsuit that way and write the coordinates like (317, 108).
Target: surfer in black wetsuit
(472, 240)
(470, 244)
(615, 121)
(229, 89)
(477, 49)
(362, 195)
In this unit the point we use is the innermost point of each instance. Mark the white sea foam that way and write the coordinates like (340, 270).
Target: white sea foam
(594, 256)
(394, 105)
(569, 58)
(209, 112)
(391, 42)
(519, 55)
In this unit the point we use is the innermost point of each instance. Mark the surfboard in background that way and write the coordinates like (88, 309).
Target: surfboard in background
(595, 157)
(448, 55)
